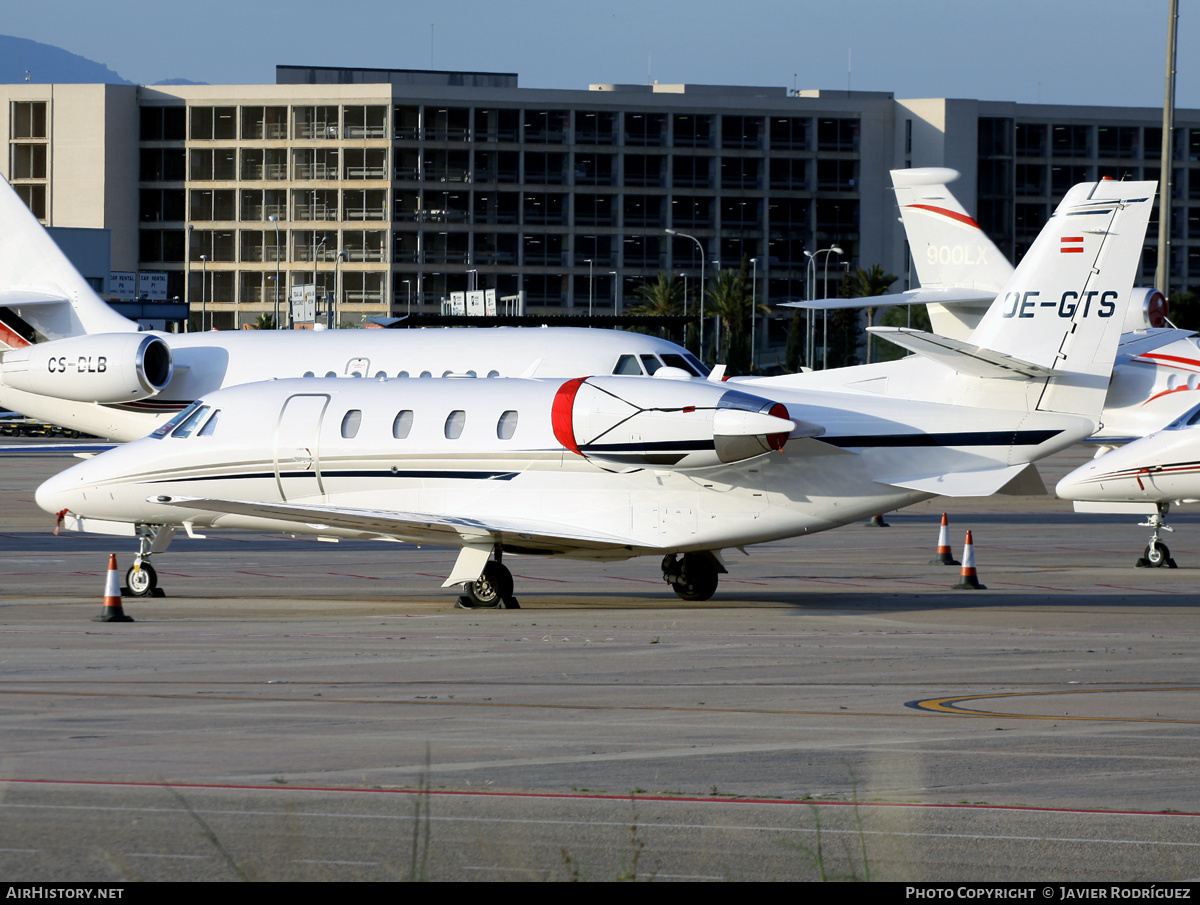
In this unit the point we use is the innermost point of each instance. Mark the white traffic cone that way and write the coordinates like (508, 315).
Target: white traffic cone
(969, 580)
(112, 610)
(944, 555)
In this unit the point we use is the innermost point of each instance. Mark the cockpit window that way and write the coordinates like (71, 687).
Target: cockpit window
(684, 363)
(627, 364)
(651, 363)
(1187, 419)
(191, 422)
(165, 429)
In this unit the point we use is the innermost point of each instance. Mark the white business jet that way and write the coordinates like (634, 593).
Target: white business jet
(610, 468)
(97, 374)
(960, 270)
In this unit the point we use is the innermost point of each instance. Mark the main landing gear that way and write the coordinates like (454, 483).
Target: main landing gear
(142, 580)
(693, 576)
(1156, 554)
(492, 590)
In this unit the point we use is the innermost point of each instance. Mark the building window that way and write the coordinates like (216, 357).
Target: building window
(29, 119)
(28, 161)
(268, 123)
(34, 197)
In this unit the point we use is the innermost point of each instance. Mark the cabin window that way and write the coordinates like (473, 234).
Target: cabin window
(331, 374)
(454, 424)
(628, 364)
(425, 374)
(350, 424)
(403, 424)
(493, 373)
(309, 374)
(402, 374)
(381, 375)
(507, 425)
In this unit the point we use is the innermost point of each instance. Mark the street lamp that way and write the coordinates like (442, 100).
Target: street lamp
(408, 287)
(187, 279)
(753, 307)
(203, 288)
(591, 287)
(274, 219)
(674, 232)
(810, 288)
(337, 296)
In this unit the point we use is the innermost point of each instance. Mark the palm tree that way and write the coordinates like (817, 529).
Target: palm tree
(868, 283)
(265, 322)
(661, 297)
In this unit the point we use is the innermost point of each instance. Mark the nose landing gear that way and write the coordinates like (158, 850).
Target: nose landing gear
(142, 580)
(1156, 555)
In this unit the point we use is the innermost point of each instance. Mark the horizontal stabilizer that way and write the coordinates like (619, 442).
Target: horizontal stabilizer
(1142, 341)
(963, 483)
(25, 298)
(960, 356)
(950, 296)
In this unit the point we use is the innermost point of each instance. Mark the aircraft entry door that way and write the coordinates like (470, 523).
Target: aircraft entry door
(297, 456)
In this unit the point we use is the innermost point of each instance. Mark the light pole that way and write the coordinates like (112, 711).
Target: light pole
(203, 289)
(408, 288)
(473, 279)
(337, 296)
(274, 219)
(316, 248)
(825, 312)
(753, 307)
(591, 287)
(613, 274)
(810, 290)
(187, 280)
(699, 244)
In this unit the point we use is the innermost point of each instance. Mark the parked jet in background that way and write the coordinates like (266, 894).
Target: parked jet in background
(611, 468)
(97, 374)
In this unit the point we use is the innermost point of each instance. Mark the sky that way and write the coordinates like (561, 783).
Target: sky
(1098, 52)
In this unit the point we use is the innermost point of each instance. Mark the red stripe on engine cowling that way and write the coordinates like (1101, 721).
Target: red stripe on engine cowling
(562, 414)
(779, 410)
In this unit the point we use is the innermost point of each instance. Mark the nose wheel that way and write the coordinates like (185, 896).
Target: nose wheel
(1157, 555)
(141, 581)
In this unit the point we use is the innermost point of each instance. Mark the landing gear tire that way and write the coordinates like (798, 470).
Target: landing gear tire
(494, 588)
(1156, 555)
(693, 578)
(141, 582)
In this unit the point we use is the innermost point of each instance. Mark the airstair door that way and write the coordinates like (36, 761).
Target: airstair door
(297, 453)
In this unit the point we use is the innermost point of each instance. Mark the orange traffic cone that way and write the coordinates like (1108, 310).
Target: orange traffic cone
(969, 580)
(877, 522)
(944, 556)
(112, 610)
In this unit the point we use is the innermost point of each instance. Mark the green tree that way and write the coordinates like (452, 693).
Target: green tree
(265, 322)
(914, 316)
(869, 283)
(661, 297)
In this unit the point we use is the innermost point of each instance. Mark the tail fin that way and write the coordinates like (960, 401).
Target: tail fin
(1064, 308)
(948, 247)
(40, 285)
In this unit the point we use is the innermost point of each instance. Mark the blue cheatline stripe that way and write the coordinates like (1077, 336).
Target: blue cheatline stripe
(378, 473)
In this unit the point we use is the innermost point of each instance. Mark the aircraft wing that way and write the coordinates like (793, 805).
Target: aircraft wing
(415, 527)
(1023, 478)
(1142, 341)
(961, 356)
(946, 295)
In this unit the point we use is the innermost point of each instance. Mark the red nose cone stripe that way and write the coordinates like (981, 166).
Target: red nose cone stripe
(562, 414)
(779, 410)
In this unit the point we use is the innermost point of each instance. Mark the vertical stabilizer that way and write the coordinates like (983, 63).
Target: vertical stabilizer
(39, 283)
(1064, 307)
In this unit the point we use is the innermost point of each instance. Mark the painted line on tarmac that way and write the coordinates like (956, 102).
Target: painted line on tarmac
(950, 706)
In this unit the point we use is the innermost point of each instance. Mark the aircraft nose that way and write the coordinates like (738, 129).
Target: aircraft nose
(63, 491)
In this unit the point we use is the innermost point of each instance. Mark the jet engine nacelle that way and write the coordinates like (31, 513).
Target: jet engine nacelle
(669, 424)
(104, 368)
(1147, 308)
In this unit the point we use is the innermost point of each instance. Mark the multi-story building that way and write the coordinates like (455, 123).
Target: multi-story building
(395, 188)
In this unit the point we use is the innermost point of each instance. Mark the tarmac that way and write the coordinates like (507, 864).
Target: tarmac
(295, 710)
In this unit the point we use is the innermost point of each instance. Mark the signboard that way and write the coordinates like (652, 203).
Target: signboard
(122, 284)
(304, 303)
(458, 303)
(152, 287)
(489, 302)
(475, 303)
